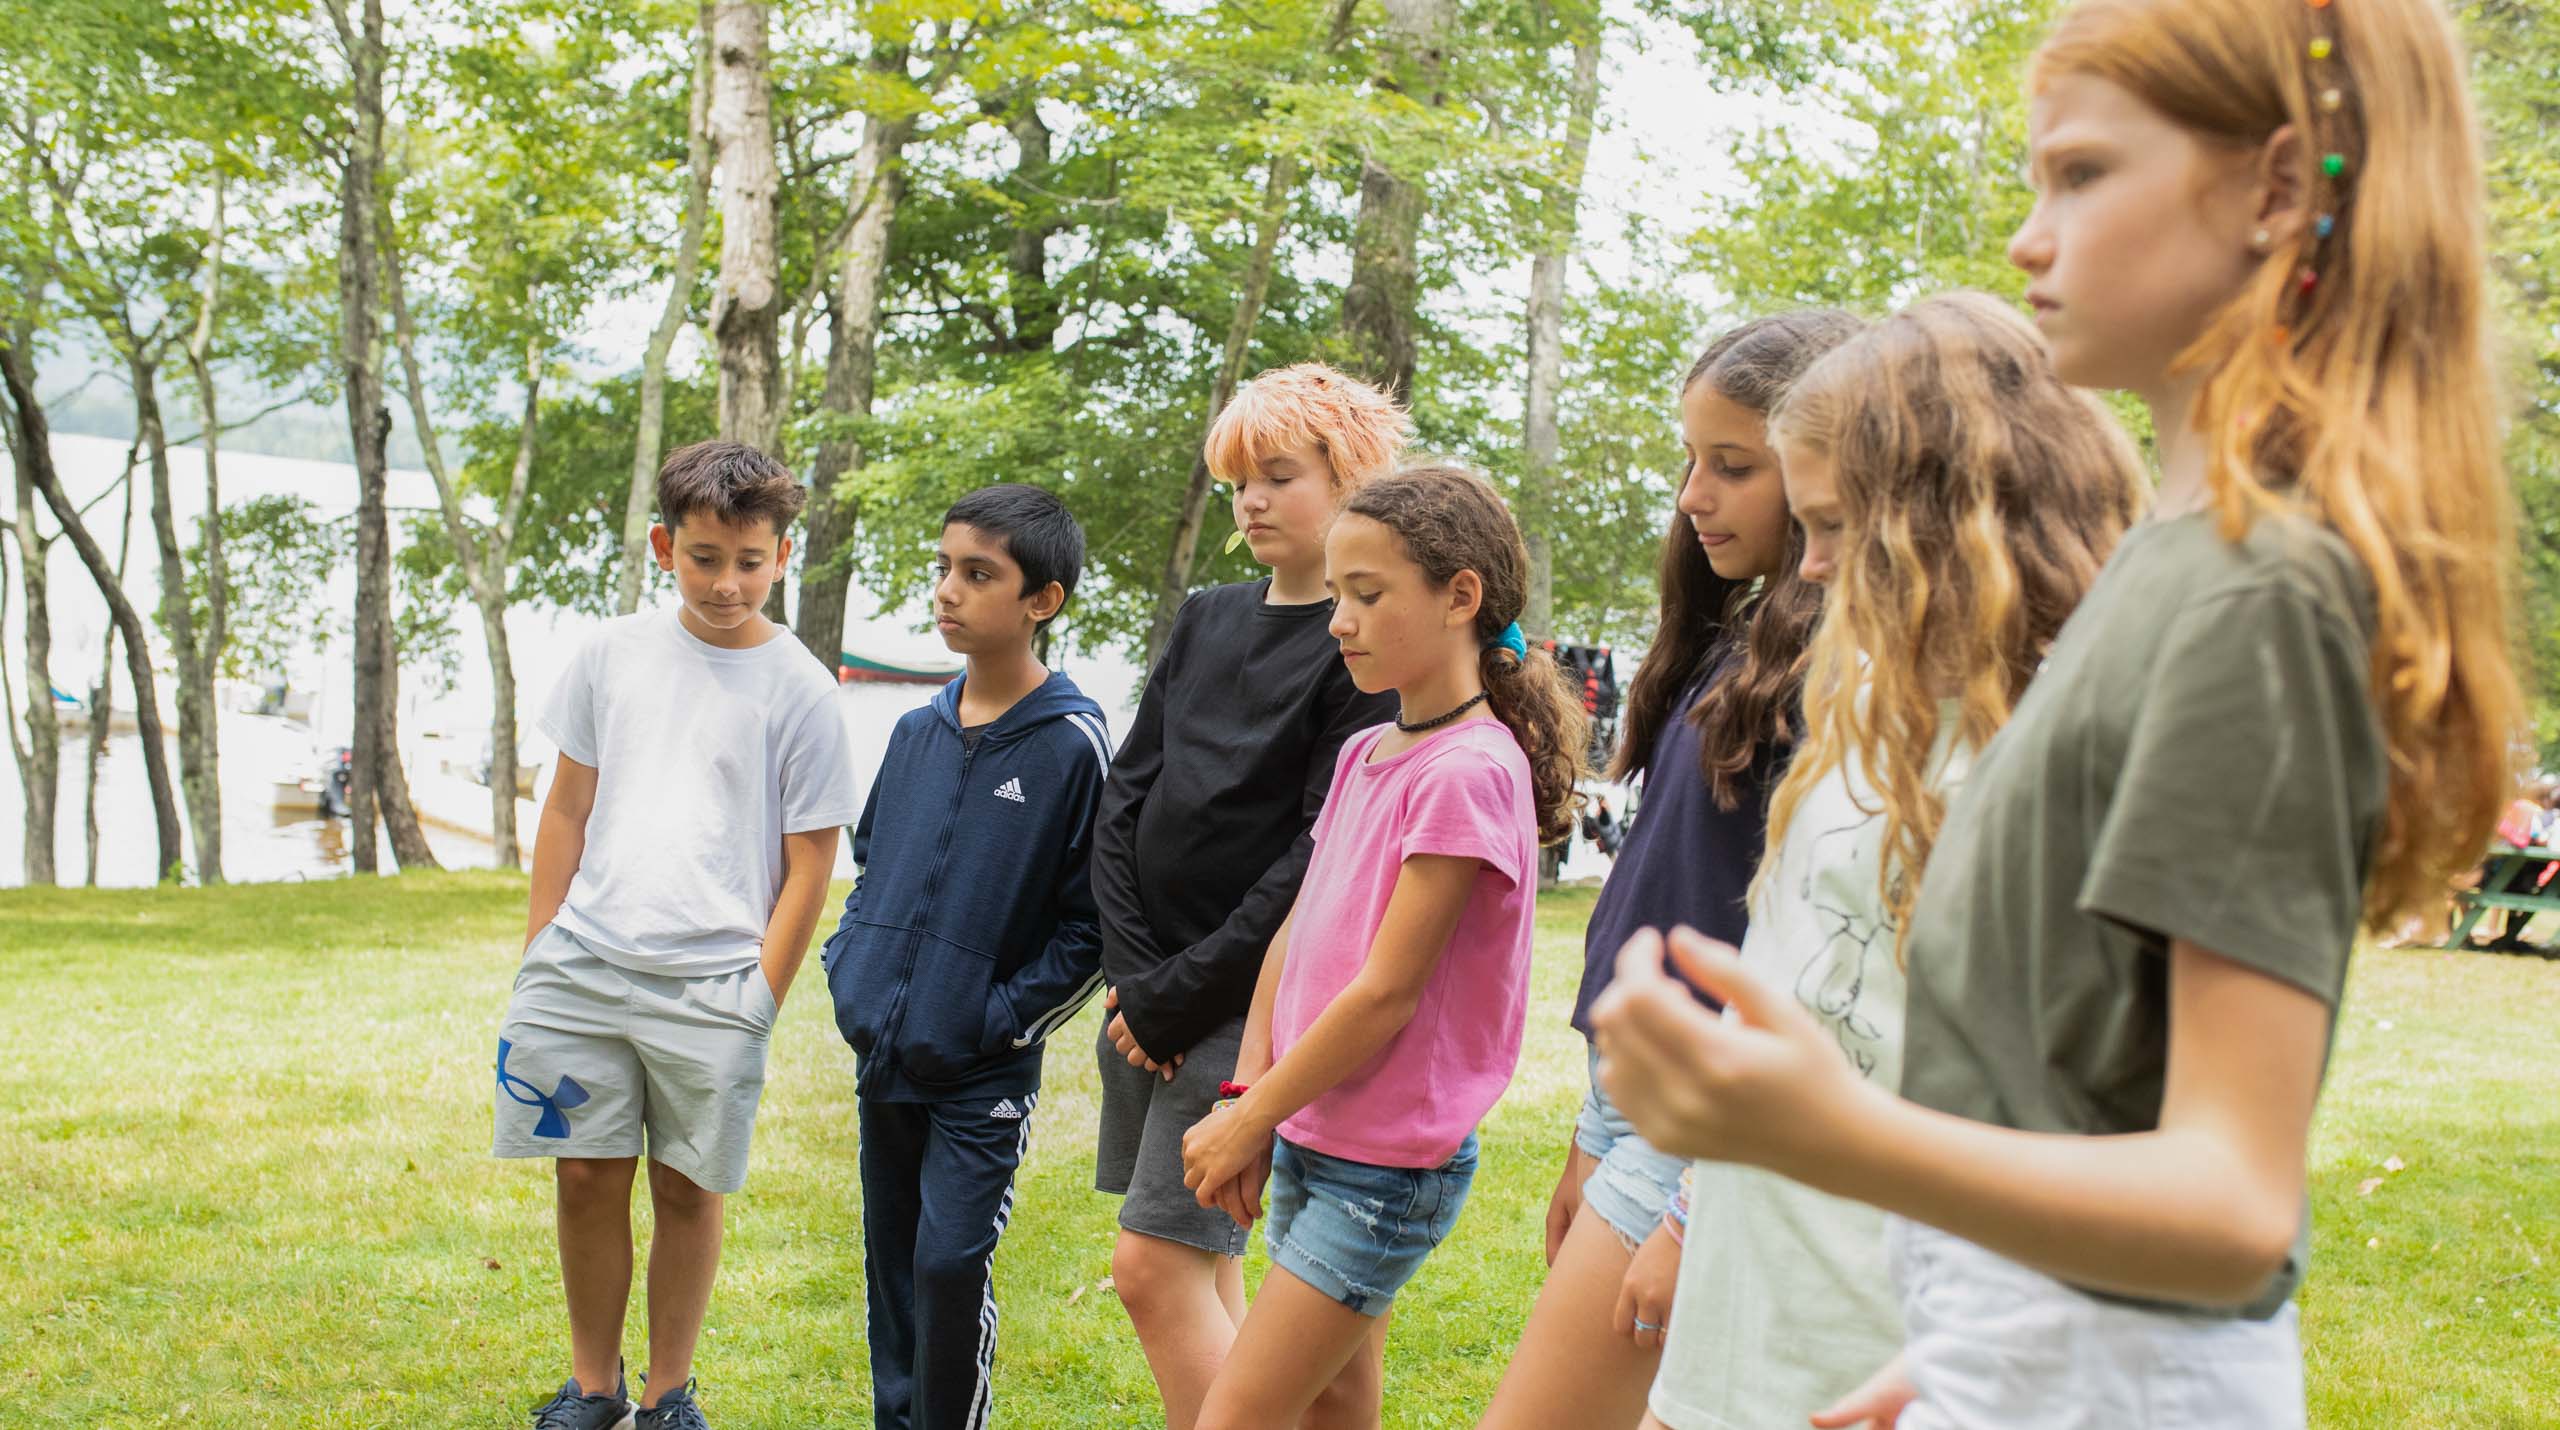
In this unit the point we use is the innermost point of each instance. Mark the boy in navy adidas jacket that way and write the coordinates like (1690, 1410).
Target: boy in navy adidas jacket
(969, 937)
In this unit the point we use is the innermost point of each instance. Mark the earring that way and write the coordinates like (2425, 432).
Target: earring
(2261, 241)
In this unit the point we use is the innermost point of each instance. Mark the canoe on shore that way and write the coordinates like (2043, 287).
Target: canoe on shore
(852, 666)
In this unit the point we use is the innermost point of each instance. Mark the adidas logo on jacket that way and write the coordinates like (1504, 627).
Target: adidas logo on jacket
(970, 934)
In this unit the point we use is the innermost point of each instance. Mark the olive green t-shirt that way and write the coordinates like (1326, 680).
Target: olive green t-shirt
(2200, 758)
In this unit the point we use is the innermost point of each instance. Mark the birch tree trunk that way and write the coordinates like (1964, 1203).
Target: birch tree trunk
(35, 445)
(40, 759)
(746, 308)
(671, 318)
(216, 633)
(378, 788)
(853, 368)
(195, 693)
(484, 564)
(1277, 190)
(1547, 274)
(102, 695)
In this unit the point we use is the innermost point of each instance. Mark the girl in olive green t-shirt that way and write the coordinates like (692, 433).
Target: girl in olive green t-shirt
(2264, 221)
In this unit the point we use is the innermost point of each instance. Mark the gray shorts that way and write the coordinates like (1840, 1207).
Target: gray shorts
(1138, 1152)
(595, 1060)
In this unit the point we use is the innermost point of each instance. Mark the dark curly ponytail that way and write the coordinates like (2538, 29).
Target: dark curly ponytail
(1451, 520)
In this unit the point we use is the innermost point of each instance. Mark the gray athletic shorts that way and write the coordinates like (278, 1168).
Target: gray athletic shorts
(1138, 1153)
(595, 1060)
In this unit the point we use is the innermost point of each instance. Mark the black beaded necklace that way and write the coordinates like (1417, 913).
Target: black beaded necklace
(1435, 722)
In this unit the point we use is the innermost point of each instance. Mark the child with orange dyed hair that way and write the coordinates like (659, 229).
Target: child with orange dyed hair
(1205, 834)
(2287, 708)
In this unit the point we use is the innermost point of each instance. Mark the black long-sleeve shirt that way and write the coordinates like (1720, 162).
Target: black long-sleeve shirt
(1205, 824)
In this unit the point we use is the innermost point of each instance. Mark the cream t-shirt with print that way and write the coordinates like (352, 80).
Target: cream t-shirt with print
(1785, 1298)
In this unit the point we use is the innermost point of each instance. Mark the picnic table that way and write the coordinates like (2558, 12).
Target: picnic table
(2497, 872)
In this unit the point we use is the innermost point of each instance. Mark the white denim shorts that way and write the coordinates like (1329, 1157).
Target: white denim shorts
(1989, 1342)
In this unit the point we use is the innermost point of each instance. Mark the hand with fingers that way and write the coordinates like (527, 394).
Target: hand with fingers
(1226, 1159)
(1644, 1297)
(1876, 1405)
(1240, 1196)
(1127, 1042)
(1762, 1083)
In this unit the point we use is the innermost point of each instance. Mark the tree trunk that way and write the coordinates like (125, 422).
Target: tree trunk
(39, 692)
(196, 771)
(40, 762)
(1547, 272)
(1379, 306)
(35, 447)
(853, 366)
(216, 637)
(102, 695)
(484, 567)
(377, 788)
(502, 737)
(399, 813)
(369, 425)
(1282, 183)
(491, 589)
(662, 339)
(746, 307)
(1027, 291)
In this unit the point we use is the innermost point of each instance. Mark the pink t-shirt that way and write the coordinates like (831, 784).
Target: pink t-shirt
(1464, 791)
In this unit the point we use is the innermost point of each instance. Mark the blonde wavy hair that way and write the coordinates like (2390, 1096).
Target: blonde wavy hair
(2369, 402)
(1978, 496)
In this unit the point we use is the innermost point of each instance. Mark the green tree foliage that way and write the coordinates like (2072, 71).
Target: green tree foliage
(2516, 49)
(282, 555)
(1925, 194)
(1077, 195)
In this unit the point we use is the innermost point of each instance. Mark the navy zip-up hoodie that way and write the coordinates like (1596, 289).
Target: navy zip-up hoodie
(970, 934)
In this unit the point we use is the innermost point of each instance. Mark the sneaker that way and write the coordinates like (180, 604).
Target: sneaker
(677, 1410)
(574, 1409)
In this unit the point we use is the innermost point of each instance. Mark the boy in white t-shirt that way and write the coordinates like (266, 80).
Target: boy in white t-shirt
(704, 780)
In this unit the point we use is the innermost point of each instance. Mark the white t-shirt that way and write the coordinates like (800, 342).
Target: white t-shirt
(1786, 1300)
(704, 759)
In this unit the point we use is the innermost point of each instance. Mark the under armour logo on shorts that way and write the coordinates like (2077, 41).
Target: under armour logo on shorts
(555, 1106)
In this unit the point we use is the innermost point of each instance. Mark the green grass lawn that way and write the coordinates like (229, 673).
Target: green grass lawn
(244, 1181)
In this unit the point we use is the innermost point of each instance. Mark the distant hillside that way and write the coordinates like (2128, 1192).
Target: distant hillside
(307, 430)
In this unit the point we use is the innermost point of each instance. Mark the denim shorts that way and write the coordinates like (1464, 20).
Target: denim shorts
(1633, 1183)
(1358, 1232)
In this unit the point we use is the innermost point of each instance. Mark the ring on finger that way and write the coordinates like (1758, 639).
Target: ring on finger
(1644, 1325)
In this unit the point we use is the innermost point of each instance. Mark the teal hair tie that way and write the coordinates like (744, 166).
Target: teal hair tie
(1512, 641)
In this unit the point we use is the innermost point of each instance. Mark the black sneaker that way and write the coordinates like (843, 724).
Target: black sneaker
(574, 1409)
(677, 1410)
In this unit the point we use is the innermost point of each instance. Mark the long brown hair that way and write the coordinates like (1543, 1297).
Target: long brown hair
(2370, 400)
(1451, 520)
(1979, 495)
(1701, 612)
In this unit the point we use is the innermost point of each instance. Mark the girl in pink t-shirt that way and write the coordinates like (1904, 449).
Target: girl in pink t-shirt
(1388, 1018)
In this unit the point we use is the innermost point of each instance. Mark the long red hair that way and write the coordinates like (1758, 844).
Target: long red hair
(2369, 401)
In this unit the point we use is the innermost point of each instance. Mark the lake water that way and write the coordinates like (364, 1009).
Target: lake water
(440, 727)
(442, 731)
(261, 843)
